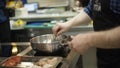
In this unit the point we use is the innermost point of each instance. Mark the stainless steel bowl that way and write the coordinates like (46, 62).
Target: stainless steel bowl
(47, 42)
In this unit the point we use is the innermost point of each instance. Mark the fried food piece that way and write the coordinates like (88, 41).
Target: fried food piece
(41, 63)
(46, 62)
(12, 61)
(9, 63)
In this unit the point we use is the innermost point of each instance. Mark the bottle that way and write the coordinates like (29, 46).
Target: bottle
(10, 6)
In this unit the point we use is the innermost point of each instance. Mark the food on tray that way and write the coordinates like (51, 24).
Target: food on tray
(46, 62)
(12, 61)
(31, 62)
(26, 65)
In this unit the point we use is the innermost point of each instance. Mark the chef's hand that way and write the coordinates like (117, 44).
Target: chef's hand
(80, 43)
(59, 28)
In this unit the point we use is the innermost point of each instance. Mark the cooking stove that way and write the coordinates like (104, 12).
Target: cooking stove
(70, 57)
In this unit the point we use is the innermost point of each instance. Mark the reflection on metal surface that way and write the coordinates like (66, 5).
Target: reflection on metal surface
(24, 52)
(14, 49)
(16, 43)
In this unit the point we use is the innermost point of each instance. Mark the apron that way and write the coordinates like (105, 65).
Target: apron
(104, 19)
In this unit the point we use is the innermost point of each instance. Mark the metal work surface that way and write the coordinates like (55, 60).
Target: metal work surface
(69, 61)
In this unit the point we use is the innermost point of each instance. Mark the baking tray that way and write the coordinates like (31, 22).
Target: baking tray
(29, 61)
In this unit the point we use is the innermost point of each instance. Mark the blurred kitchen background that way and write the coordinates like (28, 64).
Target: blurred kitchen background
(30, 18)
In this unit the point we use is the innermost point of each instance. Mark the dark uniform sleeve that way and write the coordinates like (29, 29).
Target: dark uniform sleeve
(88, 9)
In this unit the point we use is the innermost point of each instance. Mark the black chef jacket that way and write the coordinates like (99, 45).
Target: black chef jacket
(104, 19)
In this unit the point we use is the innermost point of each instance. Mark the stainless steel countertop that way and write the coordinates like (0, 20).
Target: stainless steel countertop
(69, 62)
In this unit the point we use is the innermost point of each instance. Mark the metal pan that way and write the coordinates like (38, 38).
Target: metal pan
(49, 42)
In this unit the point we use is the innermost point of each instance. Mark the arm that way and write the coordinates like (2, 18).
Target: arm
(104, 39)
(59, 28)
(81, 18)
(107, 39)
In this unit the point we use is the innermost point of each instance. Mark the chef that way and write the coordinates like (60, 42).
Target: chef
(106, 36)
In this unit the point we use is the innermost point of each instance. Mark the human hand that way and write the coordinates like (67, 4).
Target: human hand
(80, 43)
(59, 28)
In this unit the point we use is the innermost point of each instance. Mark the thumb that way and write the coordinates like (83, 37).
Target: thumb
(60, 32)
(72, 36)
(70, 45)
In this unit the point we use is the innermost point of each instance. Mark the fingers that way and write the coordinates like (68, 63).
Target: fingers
(60, 32)
(72, 36)
(57, 29)
(70, 45)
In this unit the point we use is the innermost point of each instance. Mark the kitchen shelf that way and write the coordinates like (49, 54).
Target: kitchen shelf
(45, 17)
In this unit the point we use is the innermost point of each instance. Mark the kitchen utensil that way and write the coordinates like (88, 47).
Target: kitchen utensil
(49, 42)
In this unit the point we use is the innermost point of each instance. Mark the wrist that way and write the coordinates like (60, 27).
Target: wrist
(69, 24)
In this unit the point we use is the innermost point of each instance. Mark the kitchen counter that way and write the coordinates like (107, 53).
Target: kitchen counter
(68, 62)
(3, 58)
